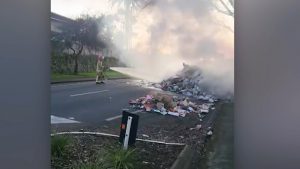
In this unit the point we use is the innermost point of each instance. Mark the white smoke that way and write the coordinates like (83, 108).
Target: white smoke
(171, 32)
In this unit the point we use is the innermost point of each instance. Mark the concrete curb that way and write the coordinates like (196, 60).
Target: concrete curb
(84, 80)
(184, 159)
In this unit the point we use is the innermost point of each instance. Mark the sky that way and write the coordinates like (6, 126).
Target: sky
(74, 8)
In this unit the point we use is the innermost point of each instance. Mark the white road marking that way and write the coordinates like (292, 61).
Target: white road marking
(60, 120)
(81, 94)
(119, 116)
(113, 118)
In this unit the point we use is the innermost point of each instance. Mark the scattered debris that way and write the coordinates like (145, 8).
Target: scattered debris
(198, 127)
(144, 135)
(172, 105)
(188, 85)
(209, 133)
(188, 82)
(173, 114)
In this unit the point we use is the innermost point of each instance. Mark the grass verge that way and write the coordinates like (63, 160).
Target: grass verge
(116, 158)
(120, 159)
(99, 152)
(60, 150)
(110, 74)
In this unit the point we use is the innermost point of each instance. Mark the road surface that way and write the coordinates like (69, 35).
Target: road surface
(98, 108)
(87, 102)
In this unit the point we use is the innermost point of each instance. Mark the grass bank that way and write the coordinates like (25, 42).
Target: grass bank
(110, 74)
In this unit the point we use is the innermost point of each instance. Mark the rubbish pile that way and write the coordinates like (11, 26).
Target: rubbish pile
(170, 105)
(188, 82)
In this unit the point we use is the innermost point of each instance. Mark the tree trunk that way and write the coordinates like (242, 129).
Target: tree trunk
(76, 60)
(76, 65)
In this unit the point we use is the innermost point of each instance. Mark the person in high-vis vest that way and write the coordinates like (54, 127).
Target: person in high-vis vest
(100, 70)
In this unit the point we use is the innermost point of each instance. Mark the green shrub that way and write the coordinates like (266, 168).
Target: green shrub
(59, 145)
(119, 158)
(89, 165)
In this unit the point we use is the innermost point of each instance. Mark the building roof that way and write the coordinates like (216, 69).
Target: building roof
(60, 23)
(60, 18)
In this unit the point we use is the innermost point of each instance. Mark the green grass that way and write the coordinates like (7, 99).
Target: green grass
(60, 151)
(111, 158)
(108, 74)
(89, 165)
(119, 158)
(59, 146)
(114, 74)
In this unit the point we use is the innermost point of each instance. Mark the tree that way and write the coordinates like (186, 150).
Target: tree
(228, 7)
(130, 7)
(225, 7)
(134, 4)
(80, 35)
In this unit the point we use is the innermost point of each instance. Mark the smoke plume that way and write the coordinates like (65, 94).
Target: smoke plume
(172, 32)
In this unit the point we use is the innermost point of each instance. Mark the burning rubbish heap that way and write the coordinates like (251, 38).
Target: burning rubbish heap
(170, 105)
(188, 82)
(187, 85)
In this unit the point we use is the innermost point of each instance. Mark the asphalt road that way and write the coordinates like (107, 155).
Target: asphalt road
(88, 106)
(87, 102)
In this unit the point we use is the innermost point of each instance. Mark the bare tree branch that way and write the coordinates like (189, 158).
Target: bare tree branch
(229, 7)
(230, 12)
(228, 28)
(150, 2)
(73, 50)
(231, 3)
(221, 11)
